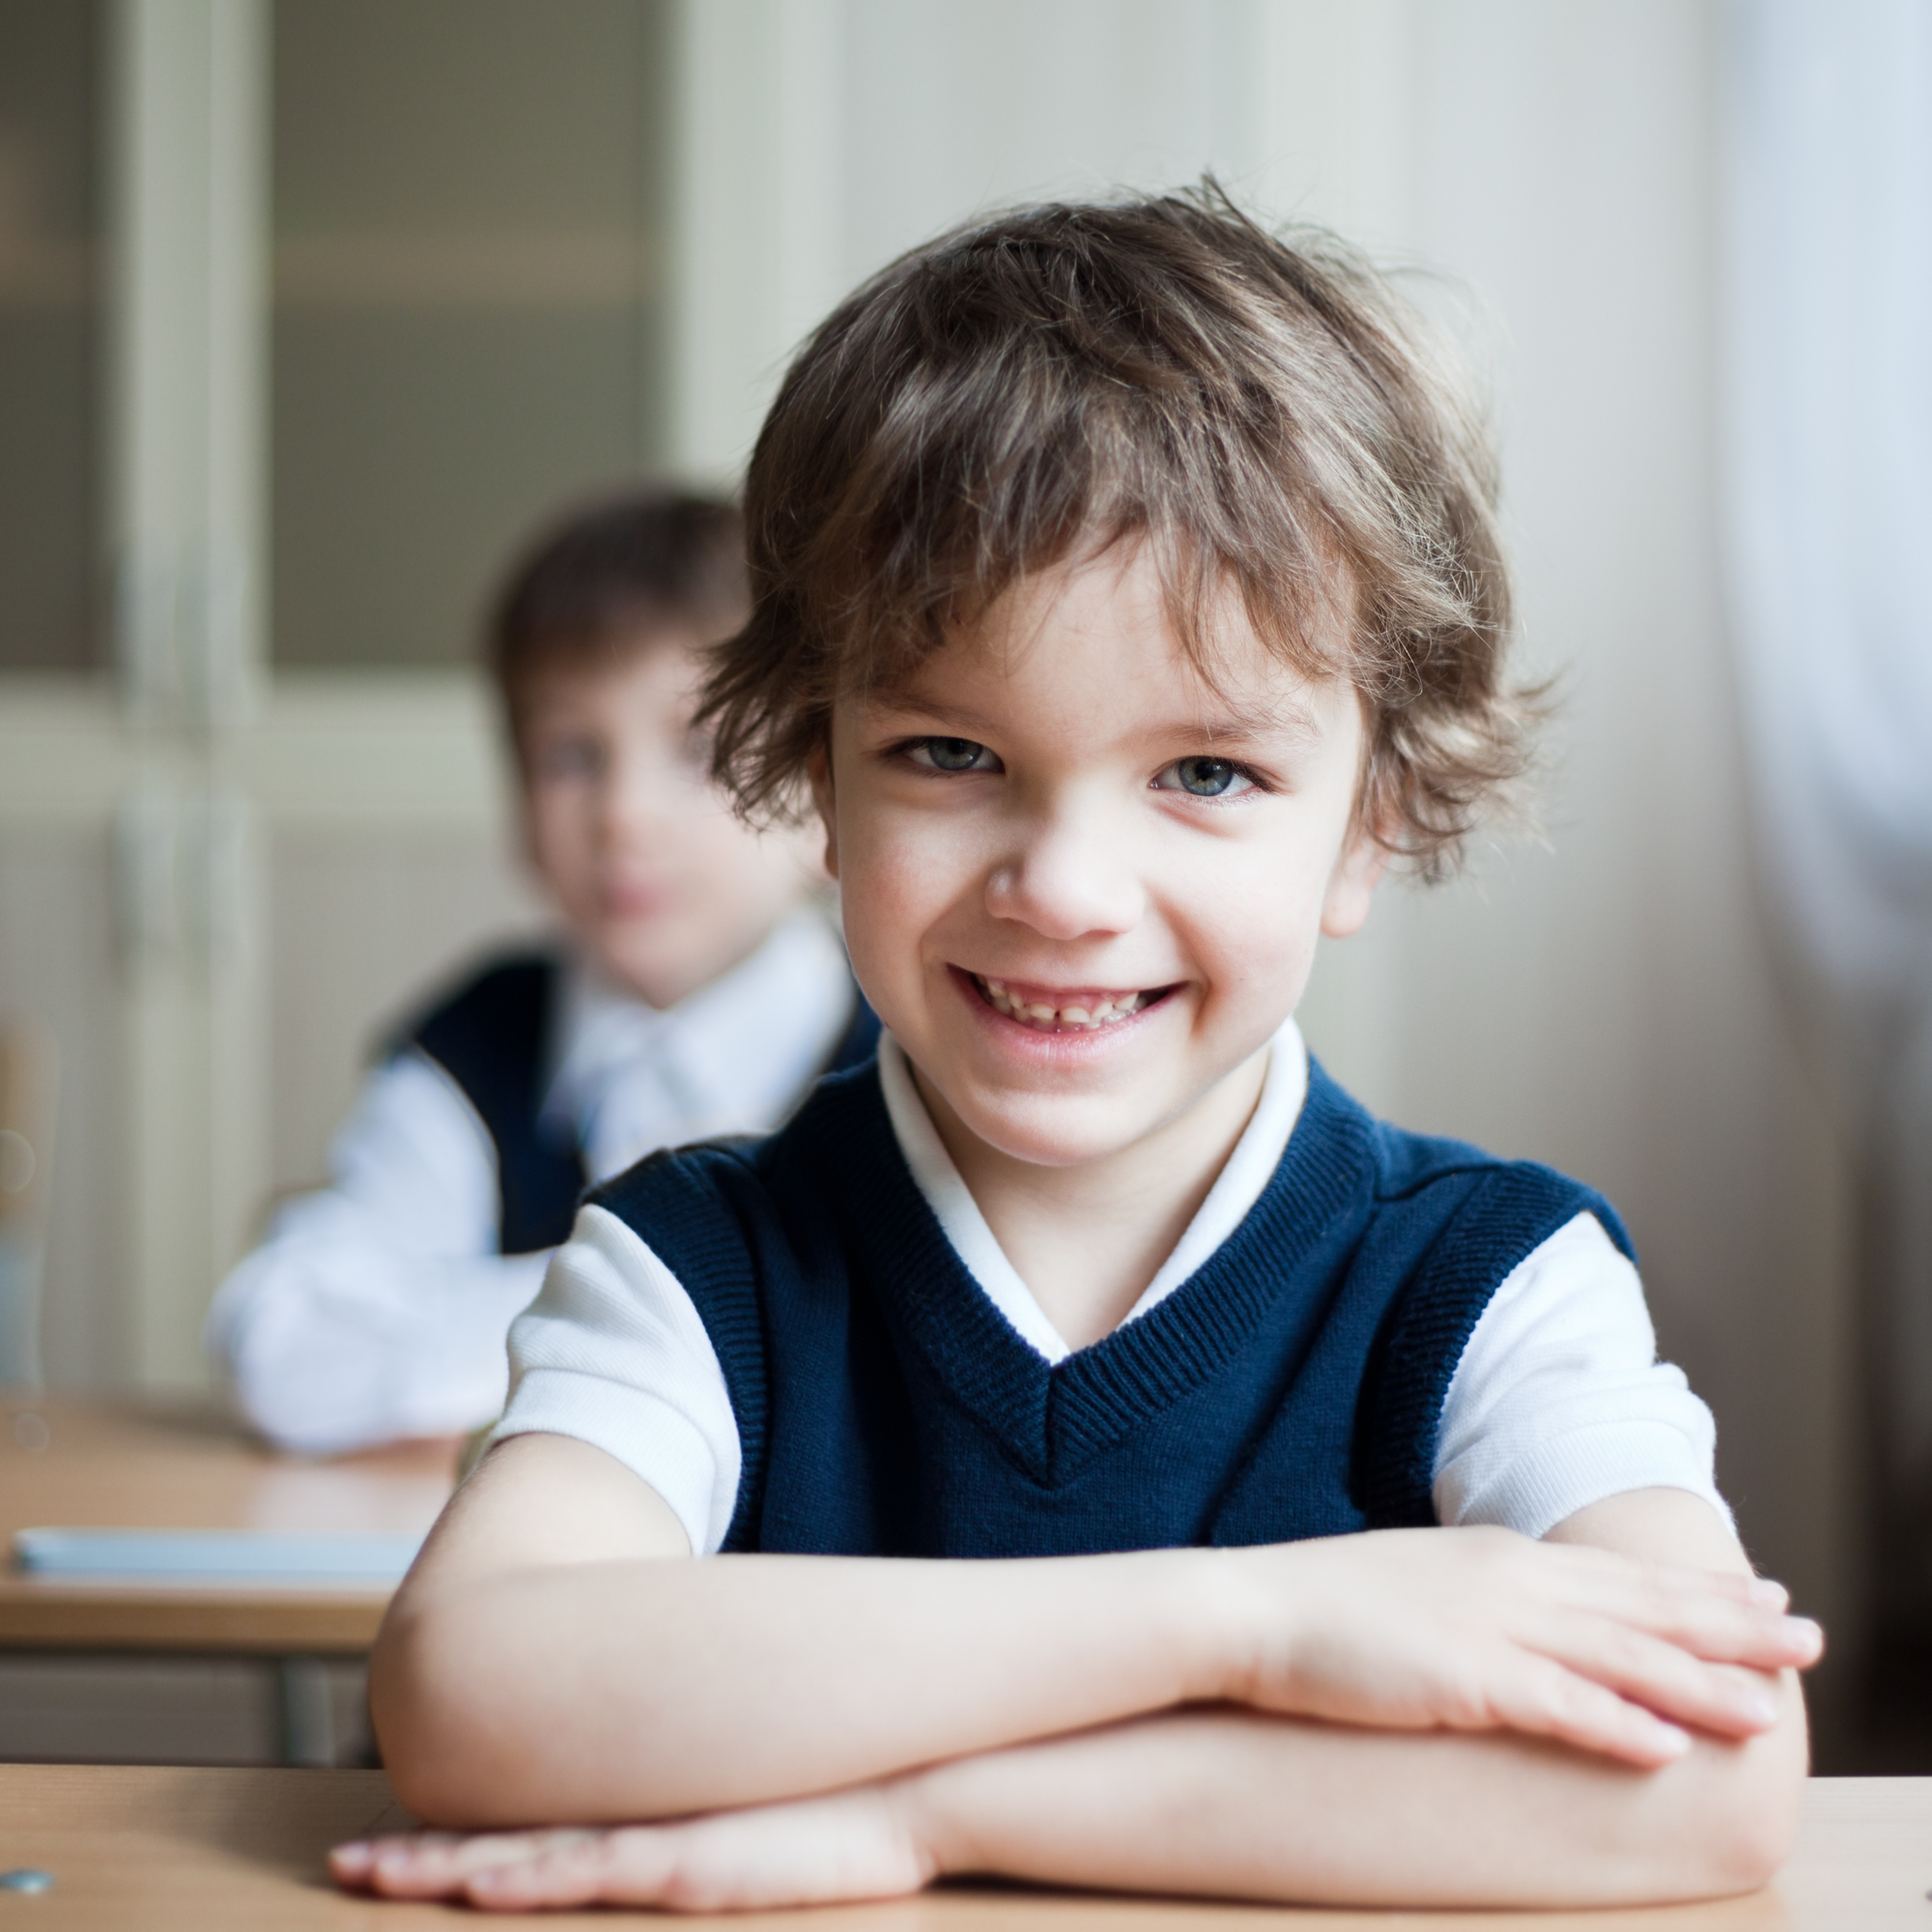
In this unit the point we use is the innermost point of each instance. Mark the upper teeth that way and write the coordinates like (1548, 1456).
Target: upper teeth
(1115, 1007)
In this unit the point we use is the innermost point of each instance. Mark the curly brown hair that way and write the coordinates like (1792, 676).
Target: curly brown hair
(1260, 410)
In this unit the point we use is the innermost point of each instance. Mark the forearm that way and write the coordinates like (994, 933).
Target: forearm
(666, 1687)
(1204, 1802)
(1237, 1804)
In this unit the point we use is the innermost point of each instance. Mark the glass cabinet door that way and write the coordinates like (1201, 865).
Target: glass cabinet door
(467, 215)
(49, 277)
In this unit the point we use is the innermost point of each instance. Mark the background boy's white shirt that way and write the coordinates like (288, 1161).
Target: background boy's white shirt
(1557, 1400)
(379, 1307)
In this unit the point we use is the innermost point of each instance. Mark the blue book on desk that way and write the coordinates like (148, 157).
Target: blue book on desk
(214, 1556)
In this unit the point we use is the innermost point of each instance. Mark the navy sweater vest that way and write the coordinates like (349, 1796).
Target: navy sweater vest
(1291, 1387)
(496, 1038)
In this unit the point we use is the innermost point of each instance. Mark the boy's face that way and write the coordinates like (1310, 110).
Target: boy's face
(1081, 885)
(654, 876)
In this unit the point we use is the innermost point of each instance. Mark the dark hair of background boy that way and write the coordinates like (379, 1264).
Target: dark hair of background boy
(650, 564)
(1262, 411)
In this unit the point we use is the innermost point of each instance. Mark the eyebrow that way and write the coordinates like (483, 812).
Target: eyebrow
(1260, 721)
(911, 704)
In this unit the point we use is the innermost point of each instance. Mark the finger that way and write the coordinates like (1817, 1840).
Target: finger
(1722, 1616)
(1755, 1635)
(1725, 1630)
(415, 1858)
(440, 1864)
(624, 1868)
(1591, 1567)
(1545, 1700)
(1727, 1700)
(1691, 1579)
(349, 1864)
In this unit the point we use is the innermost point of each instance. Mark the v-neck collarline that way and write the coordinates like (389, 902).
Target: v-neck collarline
(1053, 1418)
(1241, 1181)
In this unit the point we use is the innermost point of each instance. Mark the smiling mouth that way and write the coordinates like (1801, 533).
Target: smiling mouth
(1089, 1013)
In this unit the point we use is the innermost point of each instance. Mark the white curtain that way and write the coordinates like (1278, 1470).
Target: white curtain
(1826, 347)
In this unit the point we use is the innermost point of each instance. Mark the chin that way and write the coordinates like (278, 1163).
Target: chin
(655, 973)
(1051, 1132)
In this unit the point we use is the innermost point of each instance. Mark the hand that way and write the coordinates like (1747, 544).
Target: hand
(852, 1844)
(1482, 1630)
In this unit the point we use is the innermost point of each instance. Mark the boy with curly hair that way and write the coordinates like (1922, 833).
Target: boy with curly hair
(1127, 1463)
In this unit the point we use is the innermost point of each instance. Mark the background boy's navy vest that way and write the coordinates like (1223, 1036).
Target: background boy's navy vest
(1291, 1387)
(494, 1038)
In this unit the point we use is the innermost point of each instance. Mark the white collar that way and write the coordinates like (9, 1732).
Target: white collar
(735, 1055)
(1236, 1189)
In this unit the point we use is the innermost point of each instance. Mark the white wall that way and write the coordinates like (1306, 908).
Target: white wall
(1610, 1004)
(1607, 1002)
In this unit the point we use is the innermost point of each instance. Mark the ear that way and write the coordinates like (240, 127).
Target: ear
(818, 771)
(1351, 885)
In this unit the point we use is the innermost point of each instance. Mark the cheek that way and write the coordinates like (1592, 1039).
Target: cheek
(900, 875)
(1252, 916)
(569, 837)
(555, 819)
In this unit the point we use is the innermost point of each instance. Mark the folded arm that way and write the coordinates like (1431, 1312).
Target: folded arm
(1238, 1805)
(1029, 1718)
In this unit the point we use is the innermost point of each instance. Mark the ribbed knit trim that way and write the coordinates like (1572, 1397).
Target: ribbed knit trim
(700, 1214)
(1513, 1210)
(1053, 1421)
(710, 1211)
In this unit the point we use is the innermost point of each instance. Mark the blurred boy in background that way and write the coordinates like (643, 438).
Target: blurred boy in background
(695, 990)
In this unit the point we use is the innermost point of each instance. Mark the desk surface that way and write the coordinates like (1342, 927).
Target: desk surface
(209, 1850)
(114, 1467)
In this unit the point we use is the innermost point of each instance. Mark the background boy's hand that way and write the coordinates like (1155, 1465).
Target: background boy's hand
(1482, 1630)
(849, 1845)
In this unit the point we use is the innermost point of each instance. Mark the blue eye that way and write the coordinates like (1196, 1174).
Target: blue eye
(1206, 778)
(951, 755)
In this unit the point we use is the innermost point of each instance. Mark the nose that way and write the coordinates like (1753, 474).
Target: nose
(1069, 875)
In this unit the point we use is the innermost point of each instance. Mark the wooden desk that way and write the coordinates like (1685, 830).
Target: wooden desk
(103, 1467)
(204, 1850)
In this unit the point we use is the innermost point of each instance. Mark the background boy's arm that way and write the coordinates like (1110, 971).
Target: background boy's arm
(377, 1307)
(554, 1658)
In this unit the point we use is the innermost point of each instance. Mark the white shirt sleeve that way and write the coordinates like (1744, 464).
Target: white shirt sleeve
(379, 1307)
(614, 1353)
(1559, 1400)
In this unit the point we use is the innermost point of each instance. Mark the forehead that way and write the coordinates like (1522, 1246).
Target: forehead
(651, 662)
(1097, 641)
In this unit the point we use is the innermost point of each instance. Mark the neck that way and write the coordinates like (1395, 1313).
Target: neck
(1088, 1239)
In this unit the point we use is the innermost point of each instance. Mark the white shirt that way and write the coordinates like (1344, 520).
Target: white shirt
(378, 1307)
(1557, 1400)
